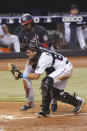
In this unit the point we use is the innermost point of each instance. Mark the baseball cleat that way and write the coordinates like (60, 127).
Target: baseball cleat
(43, 114)
(53, 107)
(24, 108)
(78, 107)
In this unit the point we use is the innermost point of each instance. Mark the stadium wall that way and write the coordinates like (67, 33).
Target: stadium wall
(21, 55)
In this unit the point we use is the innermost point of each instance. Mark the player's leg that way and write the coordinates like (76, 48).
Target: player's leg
(67, 32)
(3, 42)
(54, 100)
(73, 100)
(81, 38)
(47, 84)
(28, 89)
(58, 76)
(65, 97)
(85, 33)
(13, 39)
(54, 95)
(60, 81)
(85, 36)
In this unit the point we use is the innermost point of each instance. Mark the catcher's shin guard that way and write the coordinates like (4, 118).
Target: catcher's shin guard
(47, 84)
(73, 100)
(15, 71)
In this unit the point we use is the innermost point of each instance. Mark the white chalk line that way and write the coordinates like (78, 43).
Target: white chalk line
(8, 117)
(61, 115)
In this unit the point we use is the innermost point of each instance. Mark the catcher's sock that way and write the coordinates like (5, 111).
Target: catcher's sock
(54, 107)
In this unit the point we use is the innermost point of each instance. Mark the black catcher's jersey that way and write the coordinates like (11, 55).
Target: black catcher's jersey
(39, 33)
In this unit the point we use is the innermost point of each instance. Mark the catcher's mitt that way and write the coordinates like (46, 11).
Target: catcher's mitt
(15, 71)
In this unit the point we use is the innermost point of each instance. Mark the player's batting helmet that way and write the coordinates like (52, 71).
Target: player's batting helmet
(26, 18)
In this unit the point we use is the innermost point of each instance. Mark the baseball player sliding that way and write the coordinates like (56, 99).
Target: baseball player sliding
(58, 70)
(7, 39)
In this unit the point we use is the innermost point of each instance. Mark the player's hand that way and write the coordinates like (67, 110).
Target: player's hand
(15, 71)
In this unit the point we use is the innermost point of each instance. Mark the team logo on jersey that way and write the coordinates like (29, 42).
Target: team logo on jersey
(36, 37)
(45, 38)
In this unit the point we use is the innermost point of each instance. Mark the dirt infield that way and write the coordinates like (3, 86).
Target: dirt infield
(12, 119)
(76, 61)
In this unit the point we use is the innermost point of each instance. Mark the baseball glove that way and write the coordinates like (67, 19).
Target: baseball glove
(15, 71)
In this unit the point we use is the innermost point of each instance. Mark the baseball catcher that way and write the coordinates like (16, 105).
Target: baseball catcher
(52, 86)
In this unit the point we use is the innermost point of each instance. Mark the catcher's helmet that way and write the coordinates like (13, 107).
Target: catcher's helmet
(34, 45)
(26, 18)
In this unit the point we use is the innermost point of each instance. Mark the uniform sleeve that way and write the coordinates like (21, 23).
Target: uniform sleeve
(44, 38)
(22, 39)
(45, 61)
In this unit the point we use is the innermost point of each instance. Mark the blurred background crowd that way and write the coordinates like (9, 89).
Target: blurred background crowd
(62, 36)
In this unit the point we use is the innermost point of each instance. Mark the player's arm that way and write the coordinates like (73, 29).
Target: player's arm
(44, 62)
(18, 74)
(41, 66)
(44, 38)
(31, 76)
(5, 28)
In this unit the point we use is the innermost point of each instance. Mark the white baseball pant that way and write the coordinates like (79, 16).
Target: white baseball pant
(65, 72)
(29, 69)
(11, 39)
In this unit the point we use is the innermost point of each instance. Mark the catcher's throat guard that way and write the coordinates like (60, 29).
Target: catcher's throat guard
(15, 71)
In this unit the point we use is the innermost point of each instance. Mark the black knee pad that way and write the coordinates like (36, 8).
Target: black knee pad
(47, 83)
(55, 93)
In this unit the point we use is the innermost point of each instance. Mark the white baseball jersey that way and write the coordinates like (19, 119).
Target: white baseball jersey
(62, 68)
(45, 61)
